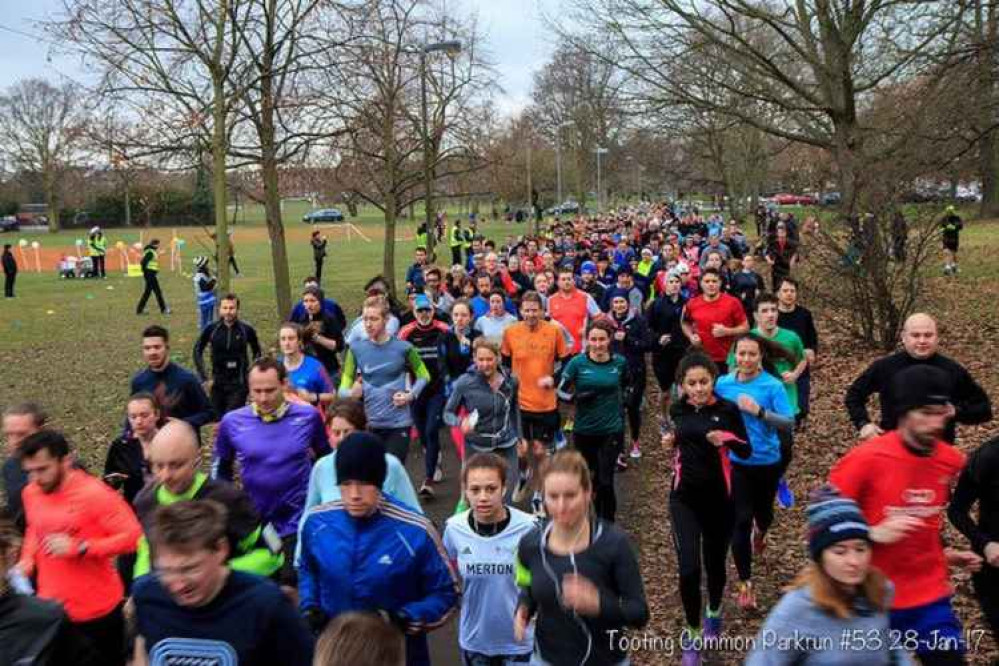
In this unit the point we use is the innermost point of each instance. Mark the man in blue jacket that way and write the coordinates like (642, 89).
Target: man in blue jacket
(368, 552)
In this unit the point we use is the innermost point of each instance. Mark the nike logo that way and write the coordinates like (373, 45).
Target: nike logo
(368, 369)
(385, 559)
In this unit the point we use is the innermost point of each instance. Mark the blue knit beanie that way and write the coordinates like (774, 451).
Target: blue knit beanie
(833, 518)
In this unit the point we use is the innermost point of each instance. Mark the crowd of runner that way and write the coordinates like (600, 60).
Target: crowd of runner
(290, 532)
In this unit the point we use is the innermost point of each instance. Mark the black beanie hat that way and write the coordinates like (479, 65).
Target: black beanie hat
(920, 385)
(833, 518)
(361, 457)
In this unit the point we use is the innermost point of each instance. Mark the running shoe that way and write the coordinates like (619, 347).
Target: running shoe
(759, 541)
(622, 464)
(439, 473)
(560, 440)
(167, 311)
(427, 491)
(569, 424)
(636, 451)
(690, 656)
(746, 595)
(784, 495)
(712, 626)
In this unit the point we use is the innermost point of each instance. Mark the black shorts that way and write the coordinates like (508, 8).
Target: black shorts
(950, 244)
(540, 426)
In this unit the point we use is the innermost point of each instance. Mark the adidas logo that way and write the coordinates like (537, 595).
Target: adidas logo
(385, 559)
(466, 551)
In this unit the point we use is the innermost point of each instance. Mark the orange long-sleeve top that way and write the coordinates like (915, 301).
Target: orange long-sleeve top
(88, 586)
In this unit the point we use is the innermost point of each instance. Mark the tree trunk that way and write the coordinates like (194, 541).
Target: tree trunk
(51, 200)
(219, 186)
(391, 200)
(272, 195)
(987, 173)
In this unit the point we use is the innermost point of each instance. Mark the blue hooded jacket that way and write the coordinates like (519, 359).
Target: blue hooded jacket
(393, 560)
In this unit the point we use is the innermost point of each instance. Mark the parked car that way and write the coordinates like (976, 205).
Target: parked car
(787, 199)
(9, 223)
(830, 199)
(565, 208)
(323, 215)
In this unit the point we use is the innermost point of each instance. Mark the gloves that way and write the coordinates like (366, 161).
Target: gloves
(316, 619)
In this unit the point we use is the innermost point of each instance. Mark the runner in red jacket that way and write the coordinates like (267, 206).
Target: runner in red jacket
(901, 480)
(76, 526)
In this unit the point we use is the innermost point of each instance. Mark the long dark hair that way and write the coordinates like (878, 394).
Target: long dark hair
(770, 352)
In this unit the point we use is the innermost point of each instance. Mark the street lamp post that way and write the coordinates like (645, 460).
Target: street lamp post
(600, 192)
(451, 48)
(558, 156)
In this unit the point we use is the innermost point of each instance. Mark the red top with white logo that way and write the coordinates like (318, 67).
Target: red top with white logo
(885, 478)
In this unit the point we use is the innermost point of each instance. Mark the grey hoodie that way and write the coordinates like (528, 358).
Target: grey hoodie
(499, 411)
(799, 632)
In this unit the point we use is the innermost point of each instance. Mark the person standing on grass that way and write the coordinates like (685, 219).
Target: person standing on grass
(753, 386)
(979, 483)
(902, 482)
(234, 345)
(275, 477)
(204, 292)
(318, 242)
(9, 271)
(76, 527)
(702, 511)
(951, 227)
(797, 318)
(595, 382)
(19, 421)
(531, 349)
(377, 369)
(97, 248)
(713, 319)
(920, 343)
(198, 610)
(150, 274)
(178, 391)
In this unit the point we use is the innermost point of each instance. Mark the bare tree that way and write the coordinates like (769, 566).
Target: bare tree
(176, 62)
(376, 79)
(40, 127)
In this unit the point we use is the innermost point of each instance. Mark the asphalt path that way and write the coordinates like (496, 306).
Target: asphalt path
(443, 641)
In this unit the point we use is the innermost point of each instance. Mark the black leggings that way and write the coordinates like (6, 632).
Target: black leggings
(786, 450)
(702, 527)
(986, 584)
(754, 488)
(634, 406)
(600, 452)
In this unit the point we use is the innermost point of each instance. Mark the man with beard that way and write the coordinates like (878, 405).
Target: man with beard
(76, 527)
(179, 392)
(902, 482)
(234, 346)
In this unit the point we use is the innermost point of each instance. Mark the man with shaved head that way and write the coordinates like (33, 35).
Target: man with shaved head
(919, 342)
(174, 457)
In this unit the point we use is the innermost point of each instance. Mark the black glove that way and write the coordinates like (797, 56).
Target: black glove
(316, 619)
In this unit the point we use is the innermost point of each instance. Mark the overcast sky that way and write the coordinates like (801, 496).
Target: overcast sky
(515, 36)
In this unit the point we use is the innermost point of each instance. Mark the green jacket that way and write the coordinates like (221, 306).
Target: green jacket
(98, 246)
